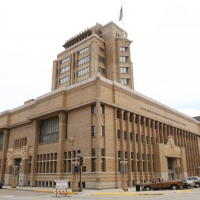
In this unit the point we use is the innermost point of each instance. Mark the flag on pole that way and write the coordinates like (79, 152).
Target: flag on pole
(121, 14)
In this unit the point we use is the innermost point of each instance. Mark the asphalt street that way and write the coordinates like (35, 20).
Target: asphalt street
(32, 195)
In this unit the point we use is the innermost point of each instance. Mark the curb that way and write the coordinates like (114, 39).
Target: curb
(184, 191)
(126, 194)
(45, 191)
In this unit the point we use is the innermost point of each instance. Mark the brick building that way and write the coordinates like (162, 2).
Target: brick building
(94, 110)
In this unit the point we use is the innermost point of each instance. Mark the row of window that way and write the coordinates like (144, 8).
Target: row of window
(65, 69)
(83, 51)
(83, 60)
(83, 71)
(136, 135)
(47, 163)
(20, 142)
(138, 162)
(64, 80)
(101, 59)
(65, 60)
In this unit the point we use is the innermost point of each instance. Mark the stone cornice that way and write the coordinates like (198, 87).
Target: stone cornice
(148, 100)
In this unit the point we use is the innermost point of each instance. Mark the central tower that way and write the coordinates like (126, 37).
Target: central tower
(100, 49)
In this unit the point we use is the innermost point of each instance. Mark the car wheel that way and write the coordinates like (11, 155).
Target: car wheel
(147, 188)
(197, 185)
(174, 187)
(189, 186)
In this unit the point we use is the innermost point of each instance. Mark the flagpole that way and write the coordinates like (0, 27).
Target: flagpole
(123, 13)
(123, 17)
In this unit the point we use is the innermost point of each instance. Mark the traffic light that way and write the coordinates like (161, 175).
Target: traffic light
(81, 161)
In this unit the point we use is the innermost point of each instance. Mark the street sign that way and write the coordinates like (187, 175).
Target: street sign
(60, 184)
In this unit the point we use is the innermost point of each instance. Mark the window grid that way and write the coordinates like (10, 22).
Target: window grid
(83, 60)
(83, 51)
(64, 80)
(65, 60)
(65, 69)
(83, 71)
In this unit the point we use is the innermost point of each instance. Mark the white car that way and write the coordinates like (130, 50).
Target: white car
(192, 181)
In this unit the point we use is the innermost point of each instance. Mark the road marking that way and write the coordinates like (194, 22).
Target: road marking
(184, 191)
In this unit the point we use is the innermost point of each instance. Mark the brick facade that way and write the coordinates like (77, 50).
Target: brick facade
(98, 116)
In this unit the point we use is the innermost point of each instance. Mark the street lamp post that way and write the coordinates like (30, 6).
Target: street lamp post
(80, 169)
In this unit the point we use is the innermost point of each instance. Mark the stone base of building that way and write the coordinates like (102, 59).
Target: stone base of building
(8, 179)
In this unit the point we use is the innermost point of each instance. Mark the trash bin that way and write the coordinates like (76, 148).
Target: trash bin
(137, 188)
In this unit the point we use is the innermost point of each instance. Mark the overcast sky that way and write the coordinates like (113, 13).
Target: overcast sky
(165, 51)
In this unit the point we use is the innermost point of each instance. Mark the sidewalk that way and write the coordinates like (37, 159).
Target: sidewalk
(131, 191)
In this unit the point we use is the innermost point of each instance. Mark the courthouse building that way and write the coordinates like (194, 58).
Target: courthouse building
(94, 110)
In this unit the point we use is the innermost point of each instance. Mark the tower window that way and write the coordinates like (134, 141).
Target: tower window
(124, 70)
(101, 59)
(123, 58)
(124, 81)
(102, 70)
(123, 48)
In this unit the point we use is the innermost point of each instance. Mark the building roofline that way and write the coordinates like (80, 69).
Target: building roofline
(66, 88)
(82, 41)
(114, 25)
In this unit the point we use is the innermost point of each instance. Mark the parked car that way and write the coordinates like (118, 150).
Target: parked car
(1, 184)
(187, 183)
(196, 180)
(158, 183)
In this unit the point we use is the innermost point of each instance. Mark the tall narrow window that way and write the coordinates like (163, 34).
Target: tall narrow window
(102, 131)
(138, 162)
(103, 164)
(102, 109)
(1, 140)
(125, 136)
(93, 164)
(142, 139)
(118, 114)
(93, 109)
(102, 152)
(118, 134)
(136, 137)
(93, 130)
(93, 152)
(131, 136)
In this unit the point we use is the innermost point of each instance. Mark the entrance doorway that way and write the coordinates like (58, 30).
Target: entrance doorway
(17, 163)
(170, 163)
